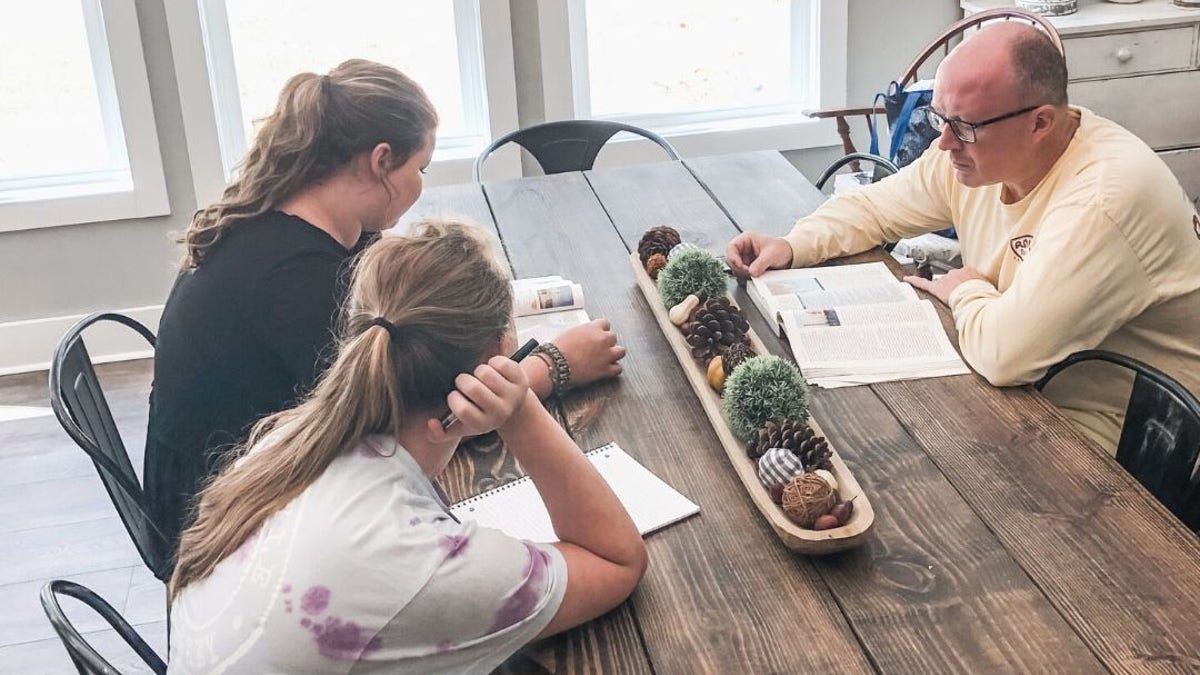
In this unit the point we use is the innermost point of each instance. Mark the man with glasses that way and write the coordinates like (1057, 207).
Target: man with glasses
(1074, 234)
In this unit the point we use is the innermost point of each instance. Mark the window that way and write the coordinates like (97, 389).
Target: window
(697, 67)
(77, 135)
(249, 48)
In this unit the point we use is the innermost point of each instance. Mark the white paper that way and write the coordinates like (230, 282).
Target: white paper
(518, 510)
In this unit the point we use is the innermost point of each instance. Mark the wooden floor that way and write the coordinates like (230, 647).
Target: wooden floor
(56, 522)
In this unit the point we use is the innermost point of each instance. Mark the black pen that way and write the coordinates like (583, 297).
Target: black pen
(519, 355)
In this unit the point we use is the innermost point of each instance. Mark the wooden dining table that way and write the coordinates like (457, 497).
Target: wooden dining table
(1004, 540)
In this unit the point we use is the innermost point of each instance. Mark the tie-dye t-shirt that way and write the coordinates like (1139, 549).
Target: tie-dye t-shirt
(366, 572)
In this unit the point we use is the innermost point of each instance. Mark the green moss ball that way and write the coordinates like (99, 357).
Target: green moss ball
(763, 388)
(694, 271)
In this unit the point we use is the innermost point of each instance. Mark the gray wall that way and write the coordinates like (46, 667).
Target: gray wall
(81, 268)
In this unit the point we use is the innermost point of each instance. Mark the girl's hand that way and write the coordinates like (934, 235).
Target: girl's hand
(484, 399)
(592, 351)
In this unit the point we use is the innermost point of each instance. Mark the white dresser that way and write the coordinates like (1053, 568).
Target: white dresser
(1139, 65)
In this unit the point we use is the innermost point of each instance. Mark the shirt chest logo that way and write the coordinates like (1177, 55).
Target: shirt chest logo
(1020, 245)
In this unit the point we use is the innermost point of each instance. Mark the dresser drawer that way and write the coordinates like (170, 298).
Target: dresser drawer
(1129, 53)
(1163, 110)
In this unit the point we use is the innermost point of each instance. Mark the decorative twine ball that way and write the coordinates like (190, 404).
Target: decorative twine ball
(694, 272)
(776, 468)
(806, 498)
(655, 264)
(763, 388)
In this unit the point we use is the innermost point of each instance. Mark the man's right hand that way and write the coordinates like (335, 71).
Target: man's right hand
(750, 254)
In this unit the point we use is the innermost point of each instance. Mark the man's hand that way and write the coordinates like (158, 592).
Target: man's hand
(942, 288)
(750, 254)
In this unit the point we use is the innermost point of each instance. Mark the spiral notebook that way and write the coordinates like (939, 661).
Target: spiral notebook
(517, 509)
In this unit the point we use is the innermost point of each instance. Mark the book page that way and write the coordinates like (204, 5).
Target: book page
(545, 295)
(824, 287)
(518, 510)
(851, 315)
(859, 295)
(847, 344)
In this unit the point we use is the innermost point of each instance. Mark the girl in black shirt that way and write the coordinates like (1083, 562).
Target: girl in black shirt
(249, 323)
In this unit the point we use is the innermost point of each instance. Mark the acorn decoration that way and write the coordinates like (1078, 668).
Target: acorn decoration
(734, 355)
(657, 241)
(763, 388)
(715, 374)
(693, 272)
(806, 498)
(713, 326)
(655, 264)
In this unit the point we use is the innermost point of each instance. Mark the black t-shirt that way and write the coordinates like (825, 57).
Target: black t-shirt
(242, 336)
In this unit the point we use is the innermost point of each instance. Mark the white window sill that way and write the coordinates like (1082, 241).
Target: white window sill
(34, 208)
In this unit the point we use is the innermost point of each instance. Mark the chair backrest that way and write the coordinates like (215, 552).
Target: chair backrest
(1160, 442)
(86, 659)
(948, 38)
(83, 412)
(569, 145)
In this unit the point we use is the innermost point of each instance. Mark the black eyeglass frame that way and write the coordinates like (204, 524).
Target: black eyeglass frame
(937, 119)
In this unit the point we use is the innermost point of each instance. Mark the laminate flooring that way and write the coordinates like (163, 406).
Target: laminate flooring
(57, 522)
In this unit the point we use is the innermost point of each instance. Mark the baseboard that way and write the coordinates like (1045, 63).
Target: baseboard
(27, 346)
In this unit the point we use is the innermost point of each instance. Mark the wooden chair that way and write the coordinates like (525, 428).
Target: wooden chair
(85, 657)
(568, 145)
(1160, 442)
(79, 403)
(921, 66)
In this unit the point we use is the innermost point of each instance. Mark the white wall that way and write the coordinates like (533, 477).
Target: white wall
(49, 276)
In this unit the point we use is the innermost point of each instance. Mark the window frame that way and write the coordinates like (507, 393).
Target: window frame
(119, 66)
(213, 119)
(563, 36)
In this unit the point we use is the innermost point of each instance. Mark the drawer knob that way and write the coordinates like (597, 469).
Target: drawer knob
(1124, 54)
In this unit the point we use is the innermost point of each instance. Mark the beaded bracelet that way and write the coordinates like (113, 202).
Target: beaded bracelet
(560, 370)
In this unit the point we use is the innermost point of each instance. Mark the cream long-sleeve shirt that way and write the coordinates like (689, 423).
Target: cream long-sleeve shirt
(1103, 254)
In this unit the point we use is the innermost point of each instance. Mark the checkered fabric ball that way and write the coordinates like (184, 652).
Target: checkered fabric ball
(776, 468)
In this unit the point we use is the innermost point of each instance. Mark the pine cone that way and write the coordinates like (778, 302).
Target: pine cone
(659, 239)
(733, 356)
(713, 326)
(814, 452)
(785, 434)
(654, 265)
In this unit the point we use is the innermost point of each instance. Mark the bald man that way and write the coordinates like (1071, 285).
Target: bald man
(1074, 234)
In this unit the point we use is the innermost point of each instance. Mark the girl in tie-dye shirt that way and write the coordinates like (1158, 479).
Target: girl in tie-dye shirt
(325, 548)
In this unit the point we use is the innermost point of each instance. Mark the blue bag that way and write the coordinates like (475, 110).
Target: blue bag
(910, 130)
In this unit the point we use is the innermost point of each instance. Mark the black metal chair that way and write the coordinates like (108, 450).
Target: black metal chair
(1160, 442)
(569, 145)
(86, 659)
(79, 404)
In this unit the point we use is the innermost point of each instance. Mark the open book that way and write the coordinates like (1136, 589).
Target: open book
(517, 509)
(546, 306)
(855, 324)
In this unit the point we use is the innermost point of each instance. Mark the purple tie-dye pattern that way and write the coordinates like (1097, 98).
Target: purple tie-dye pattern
(315, 600)
(455, 544)
(242, 553)
(341, 640)
(524, 600)
(414, 521)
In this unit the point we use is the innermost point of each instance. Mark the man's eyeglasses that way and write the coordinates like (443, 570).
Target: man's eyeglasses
(963, 130)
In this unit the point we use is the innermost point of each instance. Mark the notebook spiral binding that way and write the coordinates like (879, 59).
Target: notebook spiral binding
(523, 479)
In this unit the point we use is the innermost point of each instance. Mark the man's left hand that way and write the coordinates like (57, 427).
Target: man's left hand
(943, 287)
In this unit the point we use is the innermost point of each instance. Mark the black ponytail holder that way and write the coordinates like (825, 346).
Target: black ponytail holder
(394, 331)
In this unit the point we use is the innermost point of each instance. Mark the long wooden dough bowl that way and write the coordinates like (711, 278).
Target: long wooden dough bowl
(797, 538)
